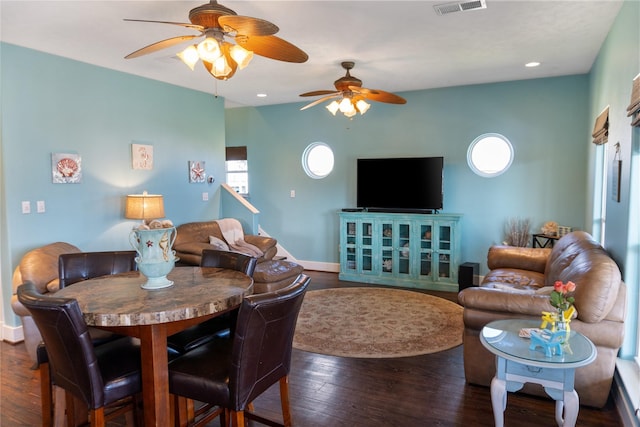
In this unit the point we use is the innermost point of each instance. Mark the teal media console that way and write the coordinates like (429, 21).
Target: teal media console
(398, 249)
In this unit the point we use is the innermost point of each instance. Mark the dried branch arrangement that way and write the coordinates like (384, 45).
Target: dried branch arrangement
(517, 232)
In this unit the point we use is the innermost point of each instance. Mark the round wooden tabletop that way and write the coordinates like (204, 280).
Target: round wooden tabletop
(119, 300)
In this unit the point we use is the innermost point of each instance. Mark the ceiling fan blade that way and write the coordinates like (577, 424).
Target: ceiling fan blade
(159, 46)
(318, 101)
(320, 92)
(181, 24)
(248, 26)
(272, 47)
(388, 97)
(363, 90)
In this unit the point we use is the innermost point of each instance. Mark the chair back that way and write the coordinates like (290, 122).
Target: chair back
(77, 267)
(263, 341)
(231, 260)
(69, 347)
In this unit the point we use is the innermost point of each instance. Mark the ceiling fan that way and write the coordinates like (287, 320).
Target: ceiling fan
(221, 58)
(352, 94)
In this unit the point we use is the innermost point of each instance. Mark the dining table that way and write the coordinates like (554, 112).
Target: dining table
(119, 304)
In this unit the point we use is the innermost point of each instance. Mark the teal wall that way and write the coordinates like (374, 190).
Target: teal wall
(55, 105)
(610, 84)
(51, 104)
(545, 120)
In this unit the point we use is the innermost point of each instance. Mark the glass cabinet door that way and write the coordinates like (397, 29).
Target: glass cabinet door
(349, 256)
(403, 246)
(386, 249)
(366, 246)
(426, 249)
(444, 251)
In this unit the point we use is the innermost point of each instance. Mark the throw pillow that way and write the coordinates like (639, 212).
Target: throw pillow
(218, 244)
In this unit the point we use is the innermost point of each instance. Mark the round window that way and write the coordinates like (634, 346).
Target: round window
(490, 155)
(317, 160)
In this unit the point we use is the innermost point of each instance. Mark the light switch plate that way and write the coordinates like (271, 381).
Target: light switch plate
(26, 207)
(40, 208)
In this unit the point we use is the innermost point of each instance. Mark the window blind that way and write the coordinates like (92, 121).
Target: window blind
(236, 153)
(601, 129)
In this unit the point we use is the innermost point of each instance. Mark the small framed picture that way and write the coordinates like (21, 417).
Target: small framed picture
(197, 171)
(142, 156)
(66, 168)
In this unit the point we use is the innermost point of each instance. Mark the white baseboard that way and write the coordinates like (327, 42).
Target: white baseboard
(12, 334)
(330, 267)
(626, 392)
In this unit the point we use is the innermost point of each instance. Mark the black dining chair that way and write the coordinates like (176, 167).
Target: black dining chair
(107, 378)
(73, 268)
(76, 267)
(81, 266)
(229, 373)
(202, 333)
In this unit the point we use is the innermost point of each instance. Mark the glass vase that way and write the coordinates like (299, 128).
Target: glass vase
(562, 325)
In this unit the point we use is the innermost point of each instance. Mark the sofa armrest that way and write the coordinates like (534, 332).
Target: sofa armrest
(498, 300)
(266, 244)
(533, 259)
(18, 308)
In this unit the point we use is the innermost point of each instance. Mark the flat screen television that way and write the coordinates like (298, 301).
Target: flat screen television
(409, 184)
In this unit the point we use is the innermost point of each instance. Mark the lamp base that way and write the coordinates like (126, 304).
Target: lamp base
(157, 283)
(156, 272)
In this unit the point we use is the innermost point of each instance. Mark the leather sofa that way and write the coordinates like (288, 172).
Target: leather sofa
(270, 274)
(518, 286)
(39, 266)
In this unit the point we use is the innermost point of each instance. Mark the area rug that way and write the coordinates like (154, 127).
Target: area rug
(376, 323)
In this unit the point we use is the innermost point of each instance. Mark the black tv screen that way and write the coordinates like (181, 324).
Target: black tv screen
(410, 184)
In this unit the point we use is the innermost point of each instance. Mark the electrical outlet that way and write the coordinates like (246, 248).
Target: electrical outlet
(293, 193)
(40, 206)
(26, 207)
(205, 197)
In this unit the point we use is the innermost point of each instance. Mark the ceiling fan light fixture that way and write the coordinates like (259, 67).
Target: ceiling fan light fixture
(241, 55)
(333, 107)
(351, 113)
(346, 105)
(362, 106)
(221, 67)
(209, 49)
(189, 56)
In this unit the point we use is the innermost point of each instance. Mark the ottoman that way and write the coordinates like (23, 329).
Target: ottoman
(274, 274)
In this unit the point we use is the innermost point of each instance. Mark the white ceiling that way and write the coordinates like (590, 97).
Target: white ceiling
(397, 45)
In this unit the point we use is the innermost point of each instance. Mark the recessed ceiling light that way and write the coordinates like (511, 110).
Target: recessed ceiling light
(532, 64)
(261, 95)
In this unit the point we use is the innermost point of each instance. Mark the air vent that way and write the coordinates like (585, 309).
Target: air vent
(444, 9)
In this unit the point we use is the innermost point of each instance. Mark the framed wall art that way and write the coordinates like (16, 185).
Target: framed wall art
(197, 171)
(66, 168)
(142, 156)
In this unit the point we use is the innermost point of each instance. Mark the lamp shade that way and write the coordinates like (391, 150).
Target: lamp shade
(144, 206)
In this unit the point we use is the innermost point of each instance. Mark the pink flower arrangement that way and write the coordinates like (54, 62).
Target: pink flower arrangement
(560, 297)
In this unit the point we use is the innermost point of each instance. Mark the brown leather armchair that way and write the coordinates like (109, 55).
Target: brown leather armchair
(518, 286)
(39, 266)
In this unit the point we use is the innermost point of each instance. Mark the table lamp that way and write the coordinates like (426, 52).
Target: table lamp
(144, 206)
(152, 239)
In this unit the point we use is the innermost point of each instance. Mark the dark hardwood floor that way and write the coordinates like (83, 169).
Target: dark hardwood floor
(427, 390)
